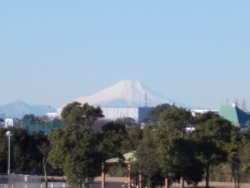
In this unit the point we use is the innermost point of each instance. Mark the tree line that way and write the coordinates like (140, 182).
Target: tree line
(212, 150)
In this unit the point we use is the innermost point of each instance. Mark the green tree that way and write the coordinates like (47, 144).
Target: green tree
(237, 142)
(81, 115)
(177, 119)
(75, 150)
(212, 132)
(154, 113)
(244, 158)
(134, 135)
(113, 134)
(176, 149)
(58, 150)
(146, 155)
(26, 151)
(3, 151)
(127, 121)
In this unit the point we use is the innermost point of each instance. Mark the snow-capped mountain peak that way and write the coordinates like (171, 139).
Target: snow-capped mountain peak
(125, 93)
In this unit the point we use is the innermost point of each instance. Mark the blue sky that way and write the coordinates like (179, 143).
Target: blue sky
(195, 52)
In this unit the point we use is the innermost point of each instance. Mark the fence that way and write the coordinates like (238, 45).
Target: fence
(3, 180)
(36, 126)
(56, 182)
(30, 181)
(44, 126)
(24, 181)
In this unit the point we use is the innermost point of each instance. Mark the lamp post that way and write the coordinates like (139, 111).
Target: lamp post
(8, 134)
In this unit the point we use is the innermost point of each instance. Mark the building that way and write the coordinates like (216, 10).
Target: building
(127, 98)
(113, 113)
(13, 122)
(9, 122)
(235, 115)
(137, 113)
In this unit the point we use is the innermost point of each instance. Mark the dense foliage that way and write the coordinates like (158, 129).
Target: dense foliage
(27, 151)
(213, 149)
(75, 150)
(80, 115)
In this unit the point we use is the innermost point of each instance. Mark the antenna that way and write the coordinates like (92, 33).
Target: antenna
(146, 99)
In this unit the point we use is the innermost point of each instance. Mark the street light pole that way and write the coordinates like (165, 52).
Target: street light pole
(8, 134)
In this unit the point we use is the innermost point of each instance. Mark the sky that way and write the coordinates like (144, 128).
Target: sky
(195, 52)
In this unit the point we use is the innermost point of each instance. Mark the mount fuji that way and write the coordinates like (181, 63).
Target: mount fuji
(127, 93)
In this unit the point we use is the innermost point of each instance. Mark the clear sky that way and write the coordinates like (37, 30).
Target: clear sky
(195, 52)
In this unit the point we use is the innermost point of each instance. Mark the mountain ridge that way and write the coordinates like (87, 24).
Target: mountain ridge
(19, 108)
(126, 93)
(129, 93)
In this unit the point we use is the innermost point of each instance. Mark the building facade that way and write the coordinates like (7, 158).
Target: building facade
(137, 113)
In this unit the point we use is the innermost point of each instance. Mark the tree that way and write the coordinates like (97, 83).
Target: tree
(176, 150)
(56, 119)
(113, 134)
(238, 157)
(134, 135)
(127, 121)
(178, 160)
(81, 115)
(26, 151)
(244, 158)
(212, 132)
(237, 142)
(146, 155)
(154, 113)
(75, 150)
(177, 119)
(3, 151)
(31, 117)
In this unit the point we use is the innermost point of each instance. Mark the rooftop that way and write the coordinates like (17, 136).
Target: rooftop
(234, 114)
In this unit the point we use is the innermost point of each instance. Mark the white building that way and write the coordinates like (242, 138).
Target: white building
(137, 113)
(9, 122)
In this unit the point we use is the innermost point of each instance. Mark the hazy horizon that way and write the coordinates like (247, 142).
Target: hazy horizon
(195, 52)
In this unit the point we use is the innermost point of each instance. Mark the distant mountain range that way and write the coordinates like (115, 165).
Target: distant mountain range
(20, 108)
(126, 93)
(129, 93)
